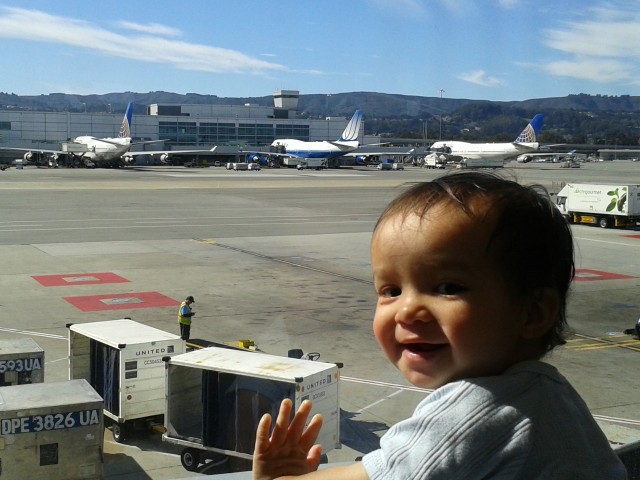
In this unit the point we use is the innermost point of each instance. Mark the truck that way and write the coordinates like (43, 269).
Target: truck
(51, 431)
(315, 163)
(602, 205)
(216, 396)
(433, 160)
(481, 163)
(123, 361)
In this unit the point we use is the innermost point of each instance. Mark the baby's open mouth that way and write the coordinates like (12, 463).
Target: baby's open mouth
(423, 347)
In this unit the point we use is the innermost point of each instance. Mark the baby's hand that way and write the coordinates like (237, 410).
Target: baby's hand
(290, 450)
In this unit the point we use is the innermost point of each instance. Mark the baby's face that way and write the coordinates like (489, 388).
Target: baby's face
(443, 311)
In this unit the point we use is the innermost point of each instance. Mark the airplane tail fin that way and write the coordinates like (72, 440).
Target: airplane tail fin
(531, 131)
(352, 129)
(125, 129)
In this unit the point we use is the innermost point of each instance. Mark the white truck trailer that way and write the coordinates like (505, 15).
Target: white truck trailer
(481, 163)
(123, 361)
(312, 163)
(51, 431)
(21, 362)
(216, 396)
(603, 205)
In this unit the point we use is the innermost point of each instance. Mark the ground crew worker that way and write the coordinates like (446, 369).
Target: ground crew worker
(184, 317)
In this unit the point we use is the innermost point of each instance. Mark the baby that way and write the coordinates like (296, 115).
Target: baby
(472, 273)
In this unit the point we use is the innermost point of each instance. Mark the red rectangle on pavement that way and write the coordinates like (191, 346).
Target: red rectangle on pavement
(121, 301)
(587, 275)
(78, 279)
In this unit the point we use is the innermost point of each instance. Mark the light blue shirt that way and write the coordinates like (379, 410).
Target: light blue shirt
(528, 423)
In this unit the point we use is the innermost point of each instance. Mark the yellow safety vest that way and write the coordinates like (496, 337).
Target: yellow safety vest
(184, 320)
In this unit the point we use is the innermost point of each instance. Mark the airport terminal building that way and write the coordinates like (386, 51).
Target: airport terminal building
(233, 128)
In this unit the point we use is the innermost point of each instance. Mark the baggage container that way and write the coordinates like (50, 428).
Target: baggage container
(21, 362)
(216, 396)
(51, 431)
(122, 361)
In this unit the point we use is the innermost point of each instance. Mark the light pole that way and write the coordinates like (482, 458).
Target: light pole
(85, 106)
(441, 92)
(328, 111)
(109, 105)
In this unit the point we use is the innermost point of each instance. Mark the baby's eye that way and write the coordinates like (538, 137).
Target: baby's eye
(390, 292)
(450, 289)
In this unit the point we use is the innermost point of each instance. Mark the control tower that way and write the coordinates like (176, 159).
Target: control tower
(286, 99)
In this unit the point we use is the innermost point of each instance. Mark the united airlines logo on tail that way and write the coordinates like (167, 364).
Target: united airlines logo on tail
(125, 129)
(529, 134)
(353, 128)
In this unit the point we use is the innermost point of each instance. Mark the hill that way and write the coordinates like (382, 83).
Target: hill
(577, 118)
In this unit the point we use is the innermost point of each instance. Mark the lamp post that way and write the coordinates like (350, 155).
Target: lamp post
(441, 92)
(85, 106)
(109, 105)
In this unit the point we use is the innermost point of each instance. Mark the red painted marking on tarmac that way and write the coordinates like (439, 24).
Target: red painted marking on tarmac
(632, 236)
(121, 301)
(587, 275)
(78, 279)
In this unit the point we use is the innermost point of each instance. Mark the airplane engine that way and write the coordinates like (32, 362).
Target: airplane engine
(28, 156)
(164, 158)
(129, 160)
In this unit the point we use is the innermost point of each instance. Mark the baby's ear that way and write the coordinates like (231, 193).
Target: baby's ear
(542, 312)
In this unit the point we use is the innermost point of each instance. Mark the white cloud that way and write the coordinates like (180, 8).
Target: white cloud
(34, 25)
(480, 77)
(603, 48)
(593, 69)
(151, 28)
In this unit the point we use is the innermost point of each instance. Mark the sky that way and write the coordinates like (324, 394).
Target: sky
(499, 50)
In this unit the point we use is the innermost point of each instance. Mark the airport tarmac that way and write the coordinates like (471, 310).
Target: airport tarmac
(279, 257)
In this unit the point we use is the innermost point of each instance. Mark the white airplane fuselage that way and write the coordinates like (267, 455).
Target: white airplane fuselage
(485, 150)
(322, 149)
(103, 149)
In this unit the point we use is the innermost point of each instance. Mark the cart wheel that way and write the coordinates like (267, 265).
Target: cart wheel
(119, 431)
(190, 458)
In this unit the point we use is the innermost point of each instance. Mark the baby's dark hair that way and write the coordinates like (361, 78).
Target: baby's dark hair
(531, 243)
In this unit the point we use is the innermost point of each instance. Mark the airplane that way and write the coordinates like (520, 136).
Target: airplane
(525, 142)
(111, 152)
(292, 148)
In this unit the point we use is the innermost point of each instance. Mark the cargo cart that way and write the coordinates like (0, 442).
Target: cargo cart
(122, 360)
(51, 431)
(21, 362)
(215, 398)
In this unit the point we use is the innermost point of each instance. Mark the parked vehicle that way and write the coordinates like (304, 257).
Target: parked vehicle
(433, 160)
(481, 163)
(215, 398)
(603, 205)
(21, 362)
(390, 166)
(51, 431)
(315, 163)
(123, 361)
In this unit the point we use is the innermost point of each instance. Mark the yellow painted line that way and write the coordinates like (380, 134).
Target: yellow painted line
(604, 342)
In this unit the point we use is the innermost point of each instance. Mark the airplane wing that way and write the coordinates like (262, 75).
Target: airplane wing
(167, 152)
(33, 150)
(366, 150)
